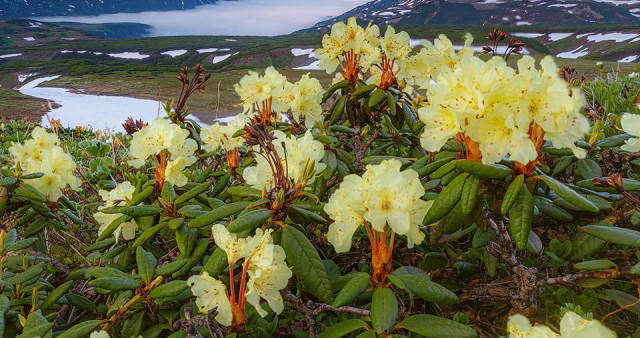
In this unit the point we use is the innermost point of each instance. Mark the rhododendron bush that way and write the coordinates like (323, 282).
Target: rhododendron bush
(429, 191)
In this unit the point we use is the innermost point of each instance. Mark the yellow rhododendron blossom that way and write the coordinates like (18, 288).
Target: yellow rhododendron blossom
(571, 326)
(160, 135)
(42, 154)
(349, 37)
(396, 45)
(631, 125)
(163, 136)
(238, 248)
(210, 294)
(433, 58)
(303, 98)
(100, 334)
(384, 195)
(117, 196)
(254, 88)
(299, 152)
(574, 326)
(507, 113)
(268, 274)
(218, 136)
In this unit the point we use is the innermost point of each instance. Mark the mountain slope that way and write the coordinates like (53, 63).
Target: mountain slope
(29, 8)
(494, 12)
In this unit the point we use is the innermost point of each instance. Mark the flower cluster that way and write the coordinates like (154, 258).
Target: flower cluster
(497, 111)
(383, 196)
(42, 154)
(264, 266)
(434, 57)
(272, 92)
(351, 47)
(118, 196)
(294, 153)
(571, 325)
(216, 136)
(170, 146)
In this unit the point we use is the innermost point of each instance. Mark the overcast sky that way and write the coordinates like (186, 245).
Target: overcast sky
(243, 17)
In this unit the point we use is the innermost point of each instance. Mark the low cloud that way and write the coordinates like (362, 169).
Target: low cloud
(244, 17)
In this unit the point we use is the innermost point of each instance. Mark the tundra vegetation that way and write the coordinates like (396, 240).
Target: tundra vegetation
(431, 192)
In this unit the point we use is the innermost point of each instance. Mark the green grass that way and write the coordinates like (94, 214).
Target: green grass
(15, 106)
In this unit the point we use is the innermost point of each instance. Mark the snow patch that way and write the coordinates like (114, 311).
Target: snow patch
(5, 56)
(559, 36)
(30, 38)
(617, 37)
(129, 55)
(574, 54)
(175, 53)
(302, 51)
(629, 58)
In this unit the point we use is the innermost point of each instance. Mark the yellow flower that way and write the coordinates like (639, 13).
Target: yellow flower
(218, 136)
(299, 152)
(396, 45)
(174, 173)
(210, 293)
(304, 98)
(160, 135)
(383, 196)
(499, 136)
(254, 88)
(238, 248)
(268, 274)
(99, 334)
(351, 38)
(574, 326)
(631, 125)
(433, 58)
(119, 195)
(571, 326)
(42, 154)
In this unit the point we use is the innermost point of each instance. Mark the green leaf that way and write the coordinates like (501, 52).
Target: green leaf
(218, 214)
(148, 234)
(133, 211)
(80, 330)
(197, 190)
(81, 302)
(362, 91)
(512, 193)
(171, 267)
(216, 263)
(146, 264)
(486, 171)
(141, 196)
(249, 221)
(437, 327)
(26, 276)
(358, 284)
(169, 289)
(376, 97)
(20, 245)
(384, 309)
(568, 194)
(470, 194)
(133, 325)
(424, 288)
(242, 191)
(306, 262)
(521, 217)
(114, 284)
(597, 264)
(101, 272)
(623, 299)
(343, 328)
(446, 200)
(550, 209)
(37, 331)
(614, 235)
(588, 168)
(56, 294)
